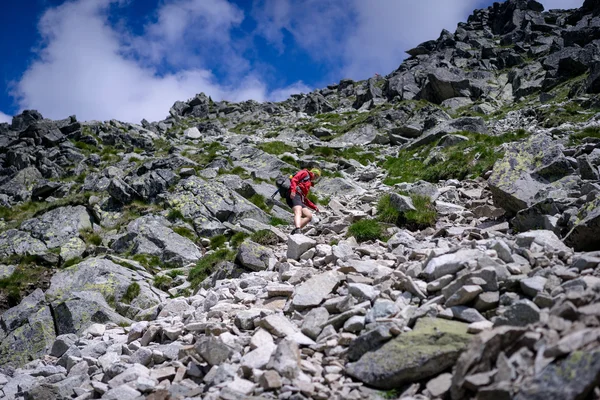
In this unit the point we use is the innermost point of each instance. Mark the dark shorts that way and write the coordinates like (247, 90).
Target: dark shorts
(296, 201)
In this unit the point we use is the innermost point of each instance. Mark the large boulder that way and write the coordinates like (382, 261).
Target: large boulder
(209, 204)
(55, 228)
(432, 347)
(153, 235)
(151, 184)
(26, 331)
(584, 235)
(254, 256)
(526, 170)
(18, 243)
(443, 84)
(263, 165)
(363, 135)
(21, 185)
(336, 186)
(87, 293)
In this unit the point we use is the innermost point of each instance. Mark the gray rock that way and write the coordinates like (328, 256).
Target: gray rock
(298, 245)
(119, 190)
(254, 256)
(286, 359)
(583, 236)
(439, 385)
(312, 292)
(153, 235)
(521, 313)
(55, 228)
(213, 350)
(432, 347)
(26, 331)
(14, 242)
(534, 285)
(572, 378)
(314, 322)
(449, 263)
(401, 203)
(463, 295)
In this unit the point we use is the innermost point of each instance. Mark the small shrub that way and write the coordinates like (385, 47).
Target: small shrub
(264, 237)
(237, 239)
(205, 266)
(91, 237)
(175, 215)
(314, 198)
(163, 282)
(366, 229)
(217, 241)
(132, 292)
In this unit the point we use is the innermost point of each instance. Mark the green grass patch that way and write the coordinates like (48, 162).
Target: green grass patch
(133, 291)
(276, 148)
(206, 155)
(217, 241)
(467, 159)
(351, 153)
(20, 283)
(91, 237)
(259, 201)
(247, 127)
(206, 265)
(366, 229)
(424, 216)
(264, 237)
(278, 221)
(589, 132)
(175, 215)
(162, 282)
(149, 262)
(237, 239)
(185, 232)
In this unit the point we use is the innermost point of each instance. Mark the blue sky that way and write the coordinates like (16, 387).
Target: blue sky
(131, 59)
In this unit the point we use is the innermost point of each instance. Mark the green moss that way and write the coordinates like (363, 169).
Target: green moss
(148, 261)
(133, 291)
(206, 265)
(71, 262)
(264, 237)
(366, 229)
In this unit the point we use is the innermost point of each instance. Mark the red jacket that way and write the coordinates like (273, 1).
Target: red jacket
(300, 185)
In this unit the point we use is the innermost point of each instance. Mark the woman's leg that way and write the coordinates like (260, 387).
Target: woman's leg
(302, 216)
(306, 217)
(297, 216)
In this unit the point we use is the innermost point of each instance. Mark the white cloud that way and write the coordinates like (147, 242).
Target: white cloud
(385, 29)
(85, 68)
(5, 118)
(361, 37)
(561, 4)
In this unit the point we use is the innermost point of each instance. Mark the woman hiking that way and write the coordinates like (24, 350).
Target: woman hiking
(297, 198)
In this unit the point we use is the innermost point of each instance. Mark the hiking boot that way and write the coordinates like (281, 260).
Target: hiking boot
(296, 231)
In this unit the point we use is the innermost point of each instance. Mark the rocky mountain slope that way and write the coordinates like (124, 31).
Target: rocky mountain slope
(455, 256)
